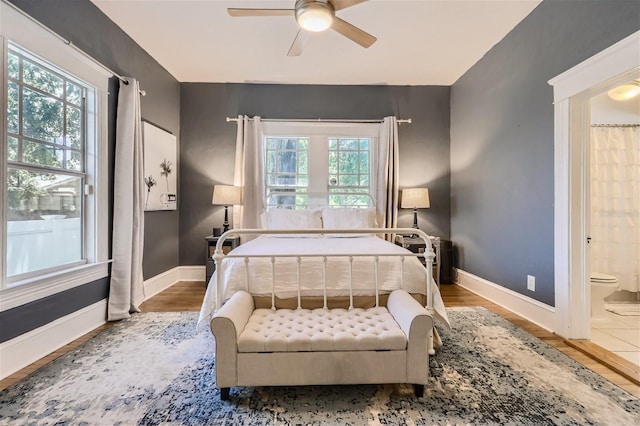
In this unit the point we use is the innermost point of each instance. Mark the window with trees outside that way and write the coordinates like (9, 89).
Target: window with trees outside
(54, 201)
(315, 164)
(46, 170)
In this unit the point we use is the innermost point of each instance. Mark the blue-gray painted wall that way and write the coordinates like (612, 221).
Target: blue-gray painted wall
(502, 182)
(208, 142)
(90, 30)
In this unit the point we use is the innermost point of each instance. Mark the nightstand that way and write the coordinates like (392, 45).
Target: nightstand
(229, 244)
(417, 245)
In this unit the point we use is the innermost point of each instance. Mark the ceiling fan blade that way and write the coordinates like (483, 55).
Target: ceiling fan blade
(298, 43)
(343, 4)
(352, 32)
(260, 12)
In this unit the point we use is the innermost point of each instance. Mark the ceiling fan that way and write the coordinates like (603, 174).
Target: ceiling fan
(315, 16)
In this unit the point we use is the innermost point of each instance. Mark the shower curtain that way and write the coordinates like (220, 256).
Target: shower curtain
(615, 203)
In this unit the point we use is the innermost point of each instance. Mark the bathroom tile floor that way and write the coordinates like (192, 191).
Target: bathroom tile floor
(618, 334)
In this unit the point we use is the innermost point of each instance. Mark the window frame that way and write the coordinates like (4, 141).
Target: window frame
(319, 133)
(46, 46)
(21, 164)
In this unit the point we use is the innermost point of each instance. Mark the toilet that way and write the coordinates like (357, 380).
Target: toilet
(602, 285)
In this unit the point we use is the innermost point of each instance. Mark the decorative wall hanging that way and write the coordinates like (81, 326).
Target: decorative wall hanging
(160, 151)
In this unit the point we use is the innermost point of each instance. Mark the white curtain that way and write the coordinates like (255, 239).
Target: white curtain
(249, 172)
(387, 182)
(126, 292)
(615, 203)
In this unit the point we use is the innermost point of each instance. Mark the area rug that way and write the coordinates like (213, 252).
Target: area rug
(624, 309)
(154, 369)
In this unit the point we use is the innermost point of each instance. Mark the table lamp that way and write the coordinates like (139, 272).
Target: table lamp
(415, 198)
(226, 195)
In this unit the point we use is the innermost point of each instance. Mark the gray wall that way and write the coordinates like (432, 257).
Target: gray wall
(502, 140)
(89, 29)
(208, 142)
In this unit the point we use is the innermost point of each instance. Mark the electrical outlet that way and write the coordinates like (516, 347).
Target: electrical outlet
(531, 283)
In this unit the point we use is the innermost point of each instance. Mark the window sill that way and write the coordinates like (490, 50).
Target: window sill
(32, 289)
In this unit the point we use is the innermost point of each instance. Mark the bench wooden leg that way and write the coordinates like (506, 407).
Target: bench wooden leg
(419, 390)
(224, 394)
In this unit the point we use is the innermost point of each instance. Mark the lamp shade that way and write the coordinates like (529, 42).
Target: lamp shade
(226, 195)
(415, 198)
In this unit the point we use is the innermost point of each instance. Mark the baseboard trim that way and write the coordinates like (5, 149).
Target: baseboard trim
(160, 282)
(163, 281)
(28, 348)
(192, 273)
(532, 310)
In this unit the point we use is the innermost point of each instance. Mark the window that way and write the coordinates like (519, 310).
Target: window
(349, 171)
(54, 198)
(46, 169)
(287, 171)
(307, 161)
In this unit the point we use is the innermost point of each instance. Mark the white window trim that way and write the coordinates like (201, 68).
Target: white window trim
(17, 27)
(50, 284)
(329, 129)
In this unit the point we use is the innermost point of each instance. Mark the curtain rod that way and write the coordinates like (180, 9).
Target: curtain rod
(70, 44)
(615, 125)
(322, 120)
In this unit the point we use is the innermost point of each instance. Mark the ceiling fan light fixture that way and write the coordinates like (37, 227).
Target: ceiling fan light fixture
(625, 91)
(314, 15)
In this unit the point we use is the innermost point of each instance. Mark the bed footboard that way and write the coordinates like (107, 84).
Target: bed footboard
(299, 258)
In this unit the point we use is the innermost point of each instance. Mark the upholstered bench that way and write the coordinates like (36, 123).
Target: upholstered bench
(287, 330)
(283, 347)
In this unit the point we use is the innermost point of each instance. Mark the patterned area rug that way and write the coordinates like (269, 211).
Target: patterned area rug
(154, 369)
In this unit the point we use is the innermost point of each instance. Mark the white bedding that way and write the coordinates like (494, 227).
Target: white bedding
(392, 272)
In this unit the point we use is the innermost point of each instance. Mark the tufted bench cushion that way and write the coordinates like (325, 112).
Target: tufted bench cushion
(304, 330)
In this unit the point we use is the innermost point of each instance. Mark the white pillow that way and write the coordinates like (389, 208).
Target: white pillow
(348, 218)
(294, 219)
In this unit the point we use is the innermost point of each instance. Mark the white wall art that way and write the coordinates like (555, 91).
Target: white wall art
(160, 171)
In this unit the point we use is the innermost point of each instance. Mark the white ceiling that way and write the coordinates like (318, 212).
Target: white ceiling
(420, 42)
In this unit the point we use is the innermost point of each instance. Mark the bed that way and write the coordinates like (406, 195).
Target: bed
(319, 297)
(297, 254)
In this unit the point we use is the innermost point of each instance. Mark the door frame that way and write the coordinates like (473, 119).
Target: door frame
(571, 91)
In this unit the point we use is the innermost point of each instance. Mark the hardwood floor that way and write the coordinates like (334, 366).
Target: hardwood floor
(183, 296)
(187, 296)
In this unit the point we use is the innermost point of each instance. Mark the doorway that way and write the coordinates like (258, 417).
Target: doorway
(613, 216)
(572, 91)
